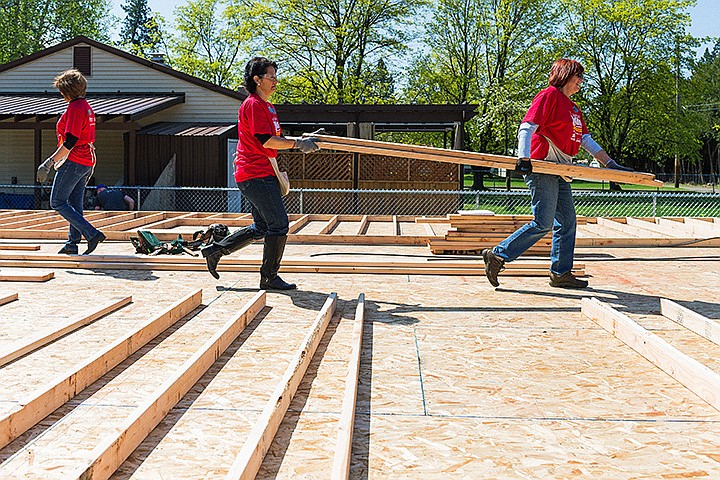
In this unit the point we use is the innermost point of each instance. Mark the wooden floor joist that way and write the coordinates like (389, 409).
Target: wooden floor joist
(343, 446)
(696, 377)
(7, 298)
(693, 321)
(248, 461)
(56, 392)
(18, 246)
(110, 453)
(43, 337)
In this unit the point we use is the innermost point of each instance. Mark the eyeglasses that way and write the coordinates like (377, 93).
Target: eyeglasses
(272, 79)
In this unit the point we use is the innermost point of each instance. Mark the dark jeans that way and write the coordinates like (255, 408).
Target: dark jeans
(268, 209)
(67, 197)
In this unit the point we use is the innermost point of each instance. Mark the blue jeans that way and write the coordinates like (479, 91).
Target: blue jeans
(67, 197)
(268, 209)
(553, 208)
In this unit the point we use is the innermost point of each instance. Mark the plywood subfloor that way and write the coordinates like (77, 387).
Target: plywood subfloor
(458, 380)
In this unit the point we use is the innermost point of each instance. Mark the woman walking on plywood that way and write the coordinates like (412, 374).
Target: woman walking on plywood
(554, 130)
(74, 161)
(259, 139)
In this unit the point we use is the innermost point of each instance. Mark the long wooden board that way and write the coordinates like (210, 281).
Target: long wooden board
(248, 461)
(43, 337)
(693, 321)
(40, 403)
(7, 298)
(375, 147)
(698, 378)
(343, 447)
(18, 277)
(117, 447)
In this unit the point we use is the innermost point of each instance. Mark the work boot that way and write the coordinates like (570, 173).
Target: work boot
(272, 255)
(567, 280)
(232, 243)
(68, 250)
(94, 242)
(494, 264)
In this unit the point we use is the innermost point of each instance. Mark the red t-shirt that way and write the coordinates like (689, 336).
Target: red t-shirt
(79, 120)
(256, 116)
(559, 119)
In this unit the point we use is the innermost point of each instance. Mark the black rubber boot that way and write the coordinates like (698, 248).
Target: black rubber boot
(232, 243)
(272, 255)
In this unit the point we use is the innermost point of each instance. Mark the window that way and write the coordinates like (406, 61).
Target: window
(81, 60)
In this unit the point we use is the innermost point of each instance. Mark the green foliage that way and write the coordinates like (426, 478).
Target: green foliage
(210, 42)
(141, 32)
(27, 26)
(330, 48)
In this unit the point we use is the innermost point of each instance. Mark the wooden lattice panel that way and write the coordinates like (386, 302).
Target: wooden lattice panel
(317, 166)
(383, 168)
(292, 163)
(427, 171)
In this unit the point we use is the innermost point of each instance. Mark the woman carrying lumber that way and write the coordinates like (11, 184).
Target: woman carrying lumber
(553, 129)
(74, 161)
(256, 175)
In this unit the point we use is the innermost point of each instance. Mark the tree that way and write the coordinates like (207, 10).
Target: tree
(27, 26)
(328, 46)
(631, 49)
(141, 33)
(209, 42)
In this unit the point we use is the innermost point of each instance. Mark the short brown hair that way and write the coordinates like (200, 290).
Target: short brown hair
(71, 83)
(563, 70)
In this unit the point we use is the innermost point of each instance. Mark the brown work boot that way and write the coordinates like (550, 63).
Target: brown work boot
(493, 265)
(567, 280)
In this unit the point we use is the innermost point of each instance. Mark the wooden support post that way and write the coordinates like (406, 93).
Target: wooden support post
(329, 226)
(343, 447)
(65, 386)
(248, 461)
(7, 298)
(43, 337)
(693, 321)
(699, 379)
(117, 447)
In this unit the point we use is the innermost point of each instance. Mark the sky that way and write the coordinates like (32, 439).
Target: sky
(705, 15)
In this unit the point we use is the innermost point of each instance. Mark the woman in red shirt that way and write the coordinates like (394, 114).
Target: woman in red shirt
(554, 130)
(74, 161)
(259, 139)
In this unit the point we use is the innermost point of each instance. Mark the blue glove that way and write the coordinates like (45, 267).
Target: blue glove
(523, 166)
(306, 145)
(616, 166)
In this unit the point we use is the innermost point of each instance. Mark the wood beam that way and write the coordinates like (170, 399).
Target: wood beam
(298, 224)
(343, 447)
(43, 337)
(18, 277)
(7, 298)
(329, 226)
(362, 228)
(693, 321)
(51, 395)
(113, 450)
(696, 377)
(248, 461)
(20, 247)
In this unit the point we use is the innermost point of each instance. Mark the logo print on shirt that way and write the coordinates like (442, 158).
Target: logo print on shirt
(271, 109)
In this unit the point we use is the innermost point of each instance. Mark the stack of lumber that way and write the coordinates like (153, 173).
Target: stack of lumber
(471, 234)
(420, 152)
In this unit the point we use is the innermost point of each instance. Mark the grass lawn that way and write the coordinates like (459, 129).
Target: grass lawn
(494, 182)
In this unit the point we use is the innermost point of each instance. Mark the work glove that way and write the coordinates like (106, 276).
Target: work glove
(616, 166)
(523, 166)
(306, 145)
(44, 169)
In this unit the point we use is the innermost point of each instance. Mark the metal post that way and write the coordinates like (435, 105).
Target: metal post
(654, 204)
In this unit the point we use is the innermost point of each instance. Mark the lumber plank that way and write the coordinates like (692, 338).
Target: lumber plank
(481, 159)
(693, 321)
(48, 397)
(105, 458)
(20, 247)
(296, 225)
(702, 228)
(329, 226)
(362, 228)
(7, 298)
(654, 227)
(248, 461)
(43, 337)
(696, 377)
(16, 277)
(343, 446)
(628, 229)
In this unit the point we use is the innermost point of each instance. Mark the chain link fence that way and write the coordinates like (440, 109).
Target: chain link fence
(591, 203)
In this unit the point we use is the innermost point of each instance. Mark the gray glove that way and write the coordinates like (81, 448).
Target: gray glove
(306, 145)
(616, 166)
(44, 169)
